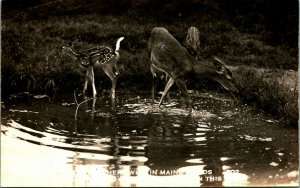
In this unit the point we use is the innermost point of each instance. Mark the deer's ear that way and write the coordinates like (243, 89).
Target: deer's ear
(222, 69)
(219, 67)
(228, 74)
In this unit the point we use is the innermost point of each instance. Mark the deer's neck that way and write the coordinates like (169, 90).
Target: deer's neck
(203, 69)
(72, 53)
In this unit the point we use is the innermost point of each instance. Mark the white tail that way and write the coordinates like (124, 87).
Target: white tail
(118, 43)
(169, 56)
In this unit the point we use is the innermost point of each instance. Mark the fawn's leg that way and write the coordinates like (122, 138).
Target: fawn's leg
(93, 82)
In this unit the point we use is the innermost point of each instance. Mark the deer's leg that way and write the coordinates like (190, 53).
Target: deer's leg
(153, 90)
(168, 86)
(93, 82)
(182, 87)
(153, 83)
(86, 80)
(110, 73)
(113, 87)
(113, 92)
(117, 71)
(168, 94)
(93, 108)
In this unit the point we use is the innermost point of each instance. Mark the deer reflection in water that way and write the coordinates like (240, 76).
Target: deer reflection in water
(167, 143)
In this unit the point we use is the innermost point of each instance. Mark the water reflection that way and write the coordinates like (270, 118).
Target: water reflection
(137, 144)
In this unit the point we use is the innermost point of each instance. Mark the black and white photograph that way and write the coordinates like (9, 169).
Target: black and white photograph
(149, 93)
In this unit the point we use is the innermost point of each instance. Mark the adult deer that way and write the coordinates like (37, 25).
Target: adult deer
(192, 44)
(102, 56)
(169, 56)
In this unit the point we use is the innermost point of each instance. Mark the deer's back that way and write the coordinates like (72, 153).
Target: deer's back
(168, 54)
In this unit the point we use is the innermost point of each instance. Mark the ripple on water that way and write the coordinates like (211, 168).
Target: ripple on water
(146, 108)
(214, 135)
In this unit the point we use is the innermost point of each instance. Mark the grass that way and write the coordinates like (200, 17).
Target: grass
(275, 91)
(31, 58)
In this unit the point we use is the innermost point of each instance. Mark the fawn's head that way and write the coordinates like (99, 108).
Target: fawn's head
(83, 59)
(192, 41)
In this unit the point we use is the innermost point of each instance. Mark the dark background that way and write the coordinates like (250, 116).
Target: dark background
(277, 18)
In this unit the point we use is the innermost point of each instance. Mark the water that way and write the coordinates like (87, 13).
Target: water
(220, 143)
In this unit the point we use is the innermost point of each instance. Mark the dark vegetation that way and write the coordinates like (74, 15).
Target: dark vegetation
(275, 91)
(247, 34)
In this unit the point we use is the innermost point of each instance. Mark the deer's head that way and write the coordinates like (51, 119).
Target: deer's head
(217, 71)
(223, 75)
